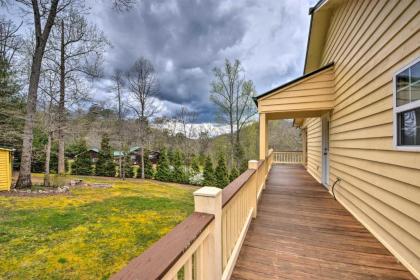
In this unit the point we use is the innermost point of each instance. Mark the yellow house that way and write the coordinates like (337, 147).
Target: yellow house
(6, 157)
(358, 104)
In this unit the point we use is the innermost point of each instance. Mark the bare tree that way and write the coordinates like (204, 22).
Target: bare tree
(10, 43)
(10, 40)
(49, 93)
(186, 119)
(44, 13)
(123, 5)
(75, 50)
(204, 139)
(143, 86)
(118, 88)
(232, 94)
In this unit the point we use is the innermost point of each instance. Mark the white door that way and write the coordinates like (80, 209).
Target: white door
(325, 150)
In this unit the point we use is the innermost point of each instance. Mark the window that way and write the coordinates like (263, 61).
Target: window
(407, 107)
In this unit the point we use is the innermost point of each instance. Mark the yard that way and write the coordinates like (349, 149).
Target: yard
(89, 233)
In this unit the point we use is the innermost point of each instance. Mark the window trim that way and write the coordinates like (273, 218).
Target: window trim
(402, 108)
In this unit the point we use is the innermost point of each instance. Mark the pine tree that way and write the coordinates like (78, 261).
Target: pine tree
(179, 174)
(11, 107)
(148, 168)
(208, 173)
(234, 173)
(171, 156)
(195, 167)
(201, 158)
(221, 179)
(105, 165)
(128, 167)
(163, 172)
(82, 164)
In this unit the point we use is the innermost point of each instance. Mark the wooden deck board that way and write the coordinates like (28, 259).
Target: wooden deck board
(301, 232)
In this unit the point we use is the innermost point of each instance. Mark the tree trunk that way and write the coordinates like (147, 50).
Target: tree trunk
(24, 179)
(47, 161)
(123, 170)
(120, 164)
(61, 108)
(232, 141)
(142, 161)
(238, 145)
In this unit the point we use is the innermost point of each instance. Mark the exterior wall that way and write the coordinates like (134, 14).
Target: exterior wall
(5, 170)
(312, 93)
(314, 147)
(369, 41)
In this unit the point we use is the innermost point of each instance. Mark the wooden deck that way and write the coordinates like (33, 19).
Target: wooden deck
(301, 232)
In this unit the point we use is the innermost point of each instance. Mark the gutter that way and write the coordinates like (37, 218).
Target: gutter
(311, 13)
(309, 38)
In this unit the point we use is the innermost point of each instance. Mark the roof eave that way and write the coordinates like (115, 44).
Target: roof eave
(293, 81)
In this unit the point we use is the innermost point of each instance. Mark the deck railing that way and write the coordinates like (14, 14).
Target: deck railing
(207, 244)
(289, 157)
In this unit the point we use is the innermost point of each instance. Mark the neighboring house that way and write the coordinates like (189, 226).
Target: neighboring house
(117, 155)
(135, 154)
(6, 160)
(154, 157)
(93, 153)
(358, 104)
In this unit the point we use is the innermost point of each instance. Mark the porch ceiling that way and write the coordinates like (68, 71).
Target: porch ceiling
(310, 95)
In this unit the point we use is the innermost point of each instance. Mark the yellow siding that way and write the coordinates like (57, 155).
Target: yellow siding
(314, 147)
(369, 41)
(5, 170)
(312, 93)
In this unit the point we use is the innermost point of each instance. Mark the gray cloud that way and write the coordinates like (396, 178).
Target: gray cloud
(185, 39)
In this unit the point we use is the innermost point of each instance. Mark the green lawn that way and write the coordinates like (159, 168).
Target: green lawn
(89, 233)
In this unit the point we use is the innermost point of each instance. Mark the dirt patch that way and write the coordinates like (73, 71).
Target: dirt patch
(13, 193)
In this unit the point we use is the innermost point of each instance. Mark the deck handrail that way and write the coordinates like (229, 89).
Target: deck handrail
(208, 242)
(240, 200)
(288, 157)
(175, 249)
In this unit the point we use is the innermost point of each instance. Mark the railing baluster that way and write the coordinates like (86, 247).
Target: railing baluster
(292, 157)
(188, 270)
(199, 264)
(224, 236)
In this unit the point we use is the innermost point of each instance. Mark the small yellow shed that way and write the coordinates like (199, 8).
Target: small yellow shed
(6, 157)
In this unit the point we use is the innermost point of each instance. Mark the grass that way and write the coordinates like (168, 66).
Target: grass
(88, 234)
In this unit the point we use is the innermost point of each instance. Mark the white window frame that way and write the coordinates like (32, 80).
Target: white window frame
(402, 108)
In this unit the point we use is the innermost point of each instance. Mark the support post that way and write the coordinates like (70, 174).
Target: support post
(253, 164)
(263, 135)
(209, 200)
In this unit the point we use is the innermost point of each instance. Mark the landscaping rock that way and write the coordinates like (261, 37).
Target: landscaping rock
(100, 185)
(75, 182)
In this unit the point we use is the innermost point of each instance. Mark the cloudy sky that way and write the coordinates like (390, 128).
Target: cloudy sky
(186, 39)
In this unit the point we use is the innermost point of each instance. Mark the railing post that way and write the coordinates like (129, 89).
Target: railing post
(253, 164)
(209, 200)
